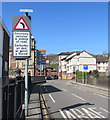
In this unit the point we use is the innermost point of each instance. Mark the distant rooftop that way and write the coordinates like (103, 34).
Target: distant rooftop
(101, 59)
(68, 53)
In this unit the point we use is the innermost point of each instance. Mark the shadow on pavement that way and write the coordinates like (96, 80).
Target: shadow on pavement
(50, 89)
(34, 88)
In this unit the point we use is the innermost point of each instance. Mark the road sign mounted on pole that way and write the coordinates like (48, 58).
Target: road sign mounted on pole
(21, 37)
(21, 25)
(85, 67)
(21, 44)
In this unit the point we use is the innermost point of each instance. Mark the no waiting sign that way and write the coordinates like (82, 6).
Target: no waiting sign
(21, 44)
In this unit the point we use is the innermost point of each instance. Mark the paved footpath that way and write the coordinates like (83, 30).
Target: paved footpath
(34, 111)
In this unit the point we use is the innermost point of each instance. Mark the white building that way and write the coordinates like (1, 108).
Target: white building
(102, 65)
(62, 64)
(76, 61)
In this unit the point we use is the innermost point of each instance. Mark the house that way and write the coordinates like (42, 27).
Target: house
(75, 61)
(102, 65)
(62, 64)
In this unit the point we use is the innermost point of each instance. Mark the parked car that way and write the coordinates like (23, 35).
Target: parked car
(49, 78)
(55, 77)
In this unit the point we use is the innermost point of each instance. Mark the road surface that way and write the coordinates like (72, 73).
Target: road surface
(71, 101)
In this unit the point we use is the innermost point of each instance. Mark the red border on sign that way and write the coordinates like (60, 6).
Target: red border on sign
(18, 23)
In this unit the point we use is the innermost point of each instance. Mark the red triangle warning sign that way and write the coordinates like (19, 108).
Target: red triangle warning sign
(21, 25)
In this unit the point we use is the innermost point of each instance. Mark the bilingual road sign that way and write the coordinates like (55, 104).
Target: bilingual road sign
(21, 44)
(85, 67)
(21, 37)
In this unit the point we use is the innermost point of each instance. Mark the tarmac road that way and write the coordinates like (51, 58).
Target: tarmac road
(69, 100)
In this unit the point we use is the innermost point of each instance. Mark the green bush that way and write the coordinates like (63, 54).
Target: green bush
(79, 76)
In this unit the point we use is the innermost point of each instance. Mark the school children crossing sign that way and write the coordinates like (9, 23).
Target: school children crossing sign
(21, 37)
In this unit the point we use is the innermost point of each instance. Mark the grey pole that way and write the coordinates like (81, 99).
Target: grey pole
(83, 77)
(26, 88)
(26, 68)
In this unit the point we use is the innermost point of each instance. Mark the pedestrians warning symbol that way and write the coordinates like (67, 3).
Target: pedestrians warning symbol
(21, 25)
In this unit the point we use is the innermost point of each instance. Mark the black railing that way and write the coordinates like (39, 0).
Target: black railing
(13, 99)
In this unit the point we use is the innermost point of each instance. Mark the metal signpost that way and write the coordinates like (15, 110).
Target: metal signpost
(22, 46)
(85, 67)
(74, 71)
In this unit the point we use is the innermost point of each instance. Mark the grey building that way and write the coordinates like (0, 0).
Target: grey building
(4, 61)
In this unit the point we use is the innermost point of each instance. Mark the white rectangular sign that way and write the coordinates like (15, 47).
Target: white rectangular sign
(21, 44)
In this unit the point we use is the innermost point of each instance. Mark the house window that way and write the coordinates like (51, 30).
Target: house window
(68, 68)
(103, 68)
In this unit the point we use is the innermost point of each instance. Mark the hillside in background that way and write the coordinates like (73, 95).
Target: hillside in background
(52, 61)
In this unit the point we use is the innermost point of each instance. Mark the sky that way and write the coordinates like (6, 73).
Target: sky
(64, 26)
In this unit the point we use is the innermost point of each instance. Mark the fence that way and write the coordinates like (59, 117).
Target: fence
(102, 81)
(38, 79)
(13, 99)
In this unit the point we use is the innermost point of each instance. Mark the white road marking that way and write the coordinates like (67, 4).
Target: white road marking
(63, 115)
(64, 89)
(105, 110)
(98, 113)
(88, 113)
(51, 98)
(100, 95)
(78, 97)
(78, 113)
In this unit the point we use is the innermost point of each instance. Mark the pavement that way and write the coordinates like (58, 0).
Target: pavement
(34, 111)
(34, 106)
(90, 86)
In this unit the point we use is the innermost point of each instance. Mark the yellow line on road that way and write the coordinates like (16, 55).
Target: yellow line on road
(91, 90)
(44, 110)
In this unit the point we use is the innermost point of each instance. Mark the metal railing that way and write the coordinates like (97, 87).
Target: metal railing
(13, 99)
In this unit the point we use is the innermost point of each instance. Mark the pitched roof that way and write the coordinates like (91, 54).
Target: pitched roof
(65, 53)
(101, 59)
(77, 53)
(68, 53)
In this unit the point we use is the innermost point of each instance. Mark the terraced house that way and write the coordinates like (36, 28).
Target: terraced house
(71, 62)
